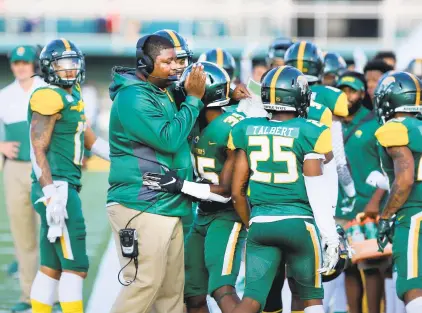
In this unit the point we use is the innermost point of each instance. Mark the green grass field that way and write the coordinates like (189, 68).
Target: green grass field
(93, 197)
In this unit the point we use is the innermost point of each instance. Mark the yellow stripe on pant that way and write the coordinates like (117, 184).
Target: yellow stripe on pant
(66, 246)
(230, 249)
(413, 246)
(317, 252)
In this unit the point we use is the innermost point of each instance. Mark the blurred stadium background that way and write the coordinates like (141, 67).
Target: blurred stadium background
(107, 31)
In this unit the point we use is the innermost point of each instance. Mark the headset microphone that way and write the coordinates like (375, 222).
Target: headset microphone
(172, 78)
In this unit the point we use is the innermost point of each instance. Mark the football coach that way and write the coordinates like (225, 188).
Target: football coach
(149, 134)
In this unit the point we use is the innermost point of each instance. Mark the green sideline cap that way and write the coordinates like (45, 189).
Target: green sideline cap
(23, 53)
(352, 82)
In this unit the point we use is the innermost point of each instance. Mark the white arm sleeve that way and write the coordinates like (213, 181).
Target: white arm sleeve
(202, 191)
(320, 201)
(331, 177)
(344, 176)
(101, 148)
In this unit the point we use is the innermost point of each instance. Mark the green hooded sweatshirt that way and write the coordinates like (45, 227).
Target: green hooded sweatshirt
(148, 133)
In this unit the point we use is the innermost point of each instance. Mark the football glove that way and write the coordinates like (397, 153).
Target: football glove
(56, 212)
(168, 182)
(385, 233)
(331, 257)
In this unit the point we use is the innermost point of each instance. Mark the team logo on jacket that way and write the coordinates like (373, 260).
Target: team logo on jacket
(358, 133)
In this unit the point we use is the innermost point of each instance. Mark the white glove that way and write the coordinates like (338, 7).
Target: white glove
(378, 180)
(54, 232)
(56, 212)
(330, 257)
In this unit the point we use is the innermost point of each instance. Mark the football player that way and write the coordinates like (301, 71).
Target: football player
(398, 104)
(279, 164)
(307, 57)
(58, 135)
(276, 51)
(183, 53)
(415, 67)
(334, 66)
(222, 58)
(329, 106)
(214, 244)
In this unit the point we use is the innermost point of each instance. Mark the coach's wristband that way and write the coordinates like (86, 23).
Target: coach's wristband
(49, 191)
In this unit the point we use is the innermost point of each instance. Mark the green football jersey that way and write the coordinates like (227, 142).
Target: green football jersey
(320, 113)
(332, 98)
(209, 153)
(66, 149)
(403, 132)
(276, 152)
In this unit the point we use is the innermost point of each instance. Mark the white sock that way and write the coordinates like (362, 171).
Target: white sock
(340, 297)
(70, 292)
(414, 306)
(286, 296)
(398, 304)
(389, 295)
(314, 309)
(329, 291)
(43, 292)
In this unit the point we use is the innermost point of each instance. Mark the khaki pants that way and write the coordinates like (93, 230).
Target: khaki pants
(23, 221)
(160, 280)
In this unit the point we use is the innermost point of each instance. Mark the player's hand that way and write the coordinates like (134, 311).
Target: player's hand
(372, 209)
(331, 257)
(240, 92)
(168, 182)
(56, 212)
(385, 233)
(195, 81)
(10, 149)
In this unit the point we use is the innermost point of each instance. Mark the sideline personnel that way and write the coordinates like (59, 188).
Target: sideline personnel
(14, 100)
(148, 134)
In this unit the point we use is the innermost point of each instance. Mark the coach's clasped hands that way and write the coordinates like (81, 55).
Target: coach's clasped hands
(195, 82)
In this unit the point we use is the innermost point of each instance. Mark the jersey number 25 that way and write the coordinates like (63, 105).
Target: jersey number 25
(278, 155)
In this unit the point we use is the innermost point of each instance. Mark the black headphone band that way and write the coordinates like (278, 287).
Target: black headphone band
(144, 63)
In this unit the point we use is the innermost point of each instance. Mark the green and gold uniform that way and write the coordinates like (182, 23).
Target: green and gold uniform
(214, 244)
(332, 98)
(320, 113)
(64, 156)
(282, 231)
(407, 252)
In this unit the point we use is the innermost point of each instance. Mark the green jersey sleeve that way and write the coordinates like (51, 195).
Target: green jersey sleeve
(319, 113)
(237, 136)
(46, 101)
(148, 124)
(333, 98)
(316, 138)
(393, 134)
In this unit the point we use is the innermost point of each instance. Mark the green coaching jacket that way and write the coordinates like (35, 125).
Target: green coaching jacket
(147, 134)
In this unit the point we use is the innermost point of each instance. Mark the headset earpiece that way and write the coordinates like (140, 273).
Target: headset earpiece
(144, 61)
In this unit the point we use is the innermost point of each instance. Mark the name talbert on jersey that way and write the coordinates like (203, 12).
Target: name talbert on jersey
(266, 130)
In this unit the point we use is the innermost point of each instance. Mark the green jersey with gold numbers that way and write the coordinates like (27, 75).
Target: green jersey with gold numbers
(331, 97)
(276, 152)
(403, 132)
(209, 152)
(66, 149)
(320, 113)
